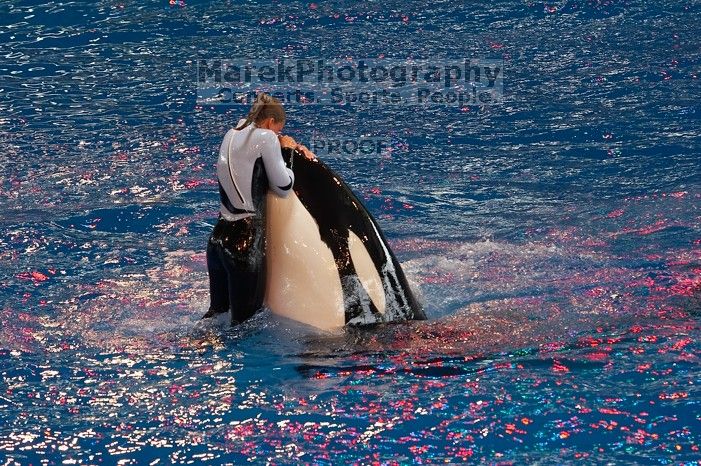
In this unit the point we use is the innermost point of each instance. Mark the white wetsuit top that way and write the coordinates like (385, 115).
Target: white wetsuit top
(238, 154)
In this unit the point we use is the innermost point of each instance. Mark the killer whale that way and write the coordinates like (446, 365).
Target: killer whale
(328, 263)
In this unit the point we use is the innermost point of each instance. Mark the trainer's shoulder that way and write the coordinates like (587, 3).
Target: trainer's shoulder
(265, 136)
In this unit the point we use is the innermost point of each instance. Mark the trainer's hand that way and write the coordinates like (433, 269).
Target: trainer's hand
(287, 141)
(307, 153)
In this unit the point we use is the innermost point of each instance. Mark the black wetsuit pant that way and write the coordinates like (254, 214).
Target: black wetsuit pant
(236, 266)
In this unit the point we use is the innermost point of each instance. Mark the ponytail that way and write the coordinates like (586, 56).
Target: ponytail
(265, 106)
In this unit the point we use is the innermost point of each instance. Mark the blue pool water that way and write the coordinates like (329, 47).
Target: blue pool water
(554, 239)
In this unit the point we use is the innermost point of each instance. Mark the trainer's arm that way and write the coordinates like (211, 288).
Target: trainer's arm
(280, 178)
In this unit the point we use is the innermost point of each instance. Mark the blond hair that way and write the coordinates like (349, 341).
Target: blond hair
(265, 106)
